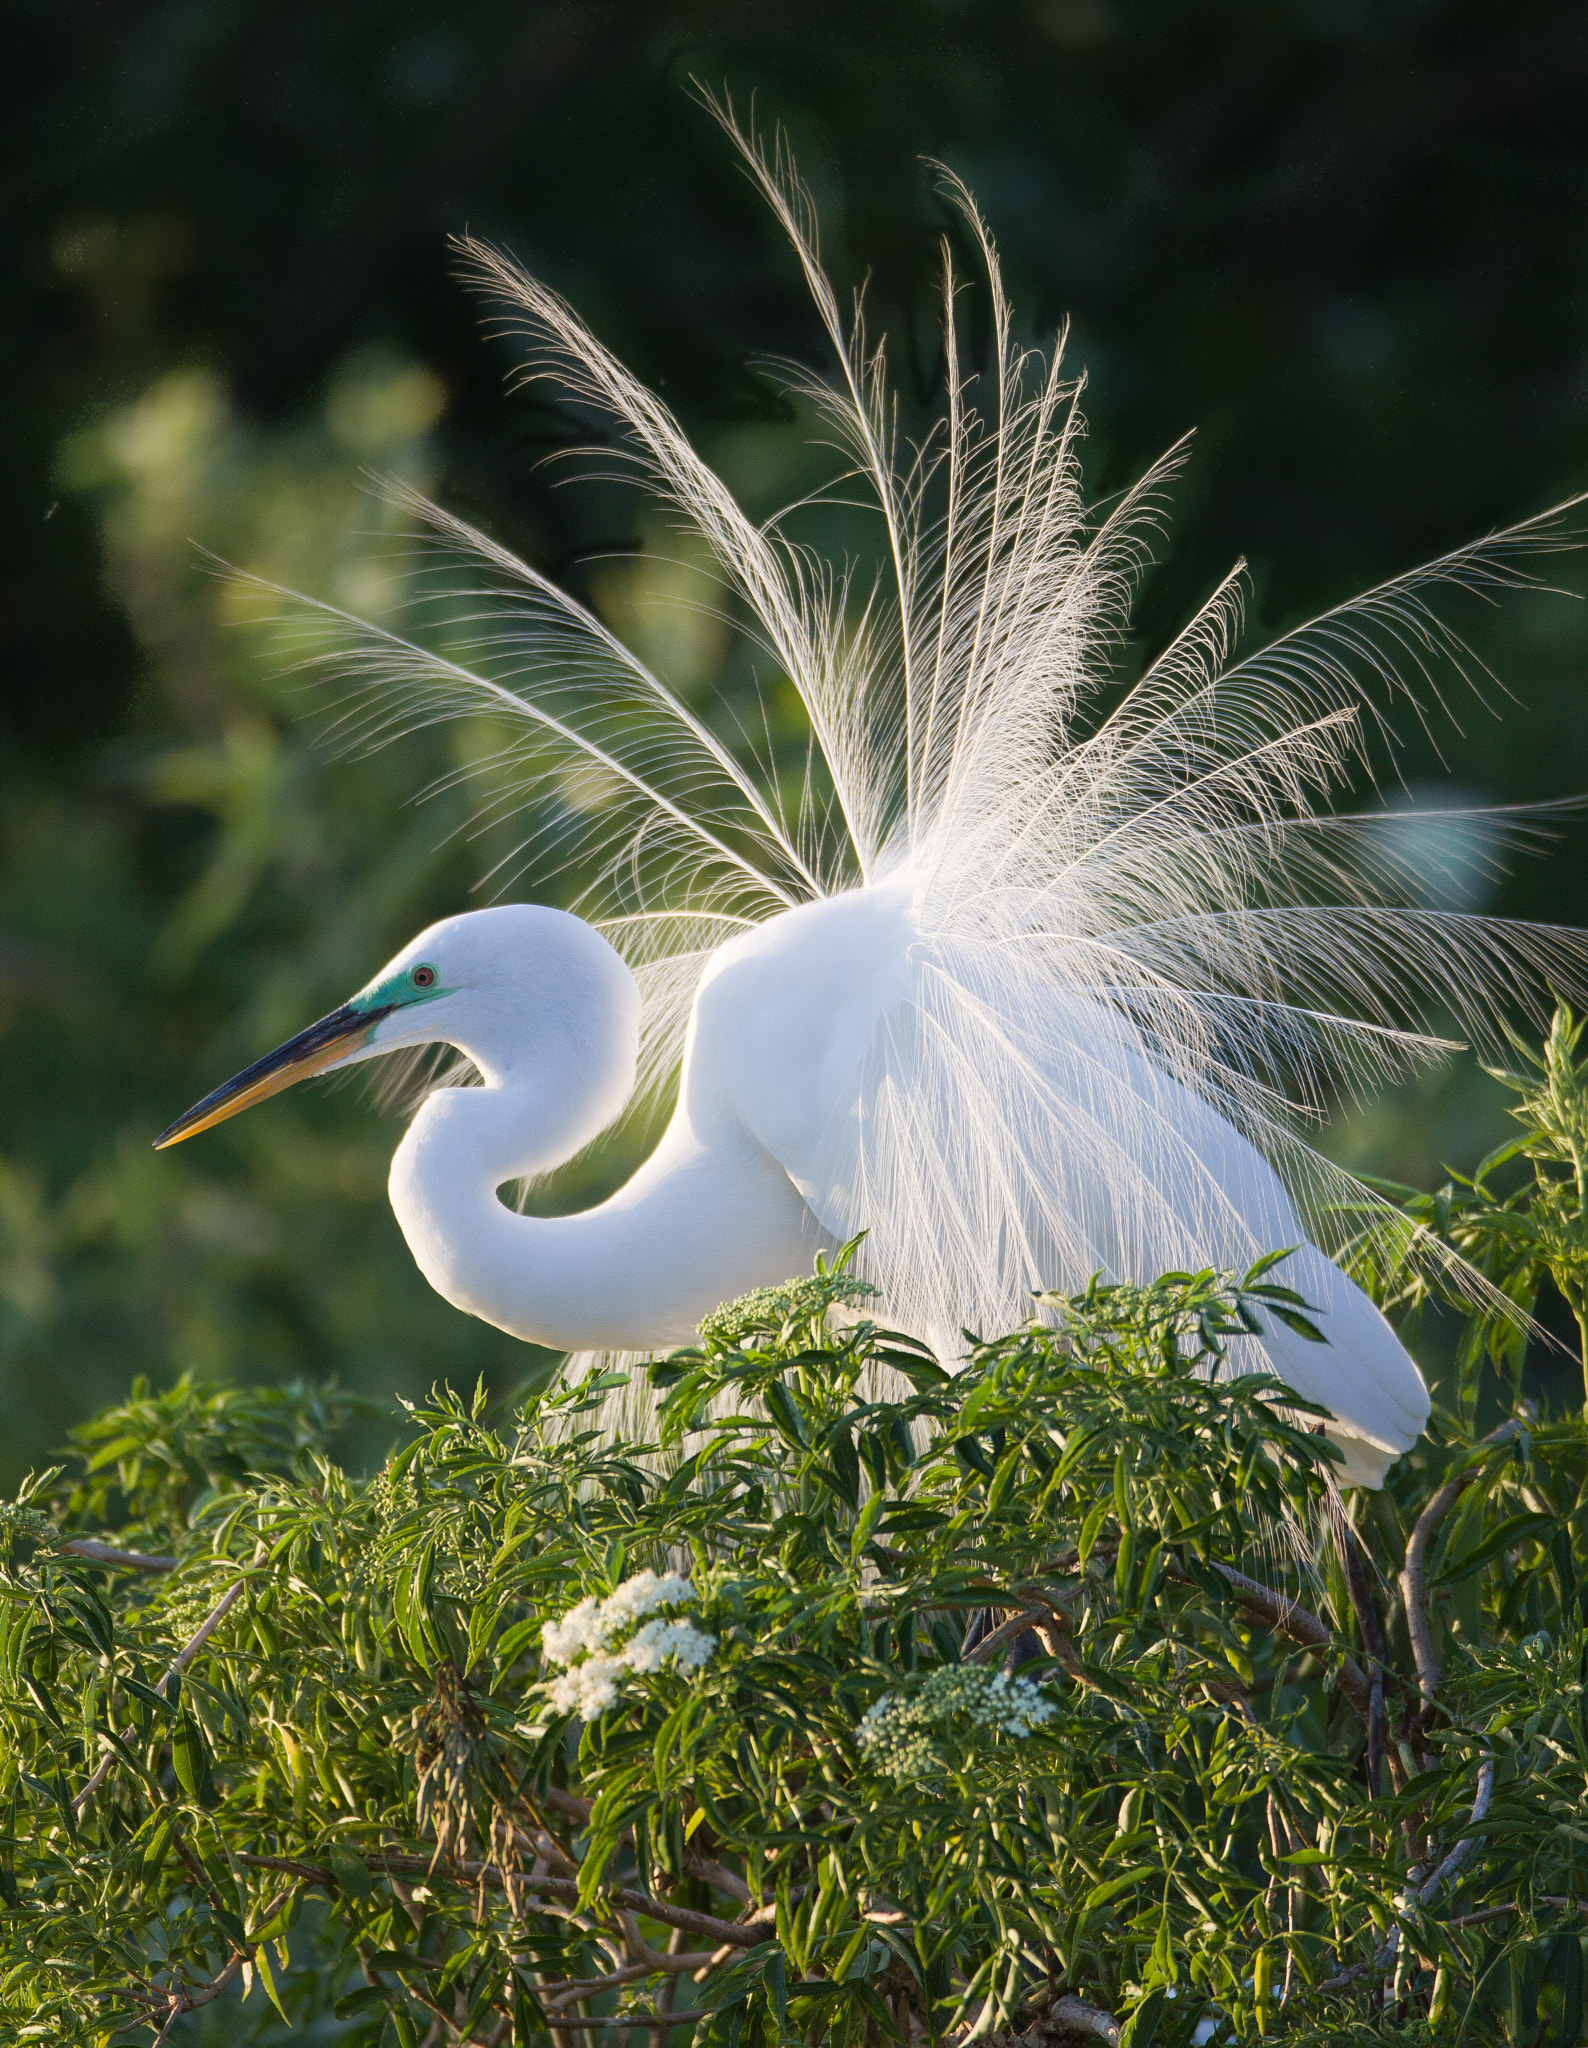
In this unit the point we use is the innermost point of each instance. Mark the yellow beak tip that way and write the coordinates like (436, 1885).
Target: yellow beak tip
(310, 1053)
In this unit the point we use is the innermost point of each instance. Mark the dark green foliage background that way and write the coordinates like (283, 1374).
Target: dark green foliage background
(1345, 241)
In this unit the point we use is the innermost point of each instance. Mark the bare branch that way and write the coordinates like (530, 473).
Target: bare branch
(179, 1663)
(1414, 1590)
(627, 2020)
(715, 1874)
(211, 1622)
(400, 1863)
(1380, 1961)
(1367, 1621)
(1516, 1906)
(171, 2019)
(654, 1963)
(107, 1553)
(1071, 2015)
(1494, 1913)
(1302, 1626)
(1005, 1632)
(565, 1802)
(1465, 1847)
(1276, 1610)
(176, 2002)
(1067, 2018)
(653, 1959)
(718, 1877)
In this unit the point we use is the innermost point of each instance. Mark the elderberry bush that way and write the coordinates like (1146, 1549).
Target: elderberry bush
(542, 1735)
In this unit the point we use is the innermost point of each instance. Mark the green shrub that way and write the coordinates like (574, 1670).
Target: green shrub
(328, 1771)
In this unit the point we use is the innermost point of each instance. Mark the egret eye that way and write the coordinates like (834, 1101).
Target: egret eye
(424, 977)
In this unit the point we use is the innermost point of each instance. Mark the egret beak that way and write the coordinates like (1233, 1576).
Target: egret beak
(311, 1052)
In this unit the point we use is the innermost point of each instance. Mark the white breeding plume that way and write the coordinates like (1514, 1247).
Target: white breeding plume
(1023, 991)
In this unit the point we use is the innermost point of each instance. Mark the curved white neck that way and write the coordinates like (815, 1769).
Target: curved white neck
(557, 1067)
(459, 1149)
(708, 1216)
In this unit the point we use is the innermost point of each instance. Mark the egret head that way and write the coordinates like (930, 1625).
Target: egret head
(513, 982)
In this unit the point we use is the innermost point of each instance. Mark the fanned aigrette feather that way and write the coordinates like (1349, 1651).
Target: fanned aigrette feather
(1142, 937)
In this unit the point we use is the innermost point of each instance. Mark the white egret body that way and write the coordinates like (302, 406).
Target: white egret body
(738, 1193)
(1023, 992)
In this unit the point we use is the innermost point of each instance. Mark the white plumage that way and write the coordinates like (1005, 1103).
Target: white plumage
(1021, 991)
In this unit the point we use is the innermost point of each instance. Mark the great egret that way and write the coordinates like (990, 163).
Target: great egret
(1023, 992)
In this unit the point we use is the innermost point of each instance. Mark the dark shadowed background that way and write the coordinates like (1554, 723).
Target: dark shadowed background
(1348, 243)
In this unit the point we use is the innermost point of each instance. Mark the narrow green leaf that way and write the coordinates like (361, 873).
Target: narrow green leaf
(785, 1415)
(1515, 1530)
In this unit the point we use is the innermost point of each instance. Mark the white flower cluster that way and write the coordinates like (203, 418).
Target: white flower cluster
(896, 1732)
(584, 1638)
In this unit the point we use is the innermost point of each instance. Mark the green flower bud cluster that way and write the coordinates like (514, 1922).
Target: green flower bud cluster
(896, 1734)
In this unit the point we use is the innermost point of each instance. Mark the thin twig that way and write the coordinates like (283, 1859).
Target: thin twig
(179, 1663)
(718, 1877)
(1302, 1626)
(655, 1964)
(1372, 1633)
(459, 2034)
(1465, 1847)
(402, 1863)
(634, 2019)
(178, 2002)
(715, 1874)
(1515, 1906)
(566, 1802)
(107, 1553)
(1425, 1893)
(667, 1991)
(1005, 1632)
(639, 1902)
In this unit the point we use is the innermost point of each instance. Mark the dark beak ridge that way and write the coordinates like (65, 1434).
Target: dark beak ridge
(311, 1052)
